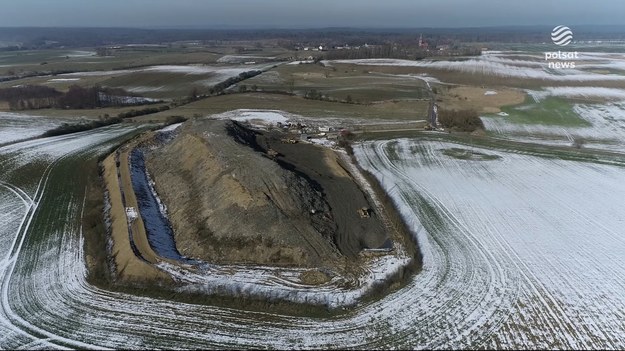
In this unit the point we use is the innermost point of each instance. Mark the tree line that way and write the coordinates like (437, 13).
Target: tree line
(30, 97)
(220, 87)
(33, 97)
(67, 128)
(460, 120)
(397, 52)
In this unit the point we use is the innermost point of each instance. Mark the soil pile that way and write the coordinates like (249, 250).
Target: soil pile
(232, 199)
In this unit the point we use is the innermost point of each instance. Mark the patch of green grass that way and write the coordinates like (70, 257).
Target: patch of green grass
(552, 111)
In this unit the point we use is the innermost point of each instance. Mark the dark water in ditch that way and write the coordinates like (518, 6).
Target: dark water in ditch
(158, 229)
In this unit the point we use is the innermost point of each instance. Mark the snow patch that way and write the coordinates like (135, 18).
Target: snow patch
(302, 62)
(55, 80)
(260, 118)
(171, 127)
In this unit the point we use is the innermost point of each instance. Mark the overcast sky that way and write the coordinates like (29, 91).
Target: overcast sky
(311, 13)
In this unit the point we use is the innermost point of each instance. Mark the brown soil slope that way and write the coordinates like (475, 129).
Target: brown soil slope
(229, 202)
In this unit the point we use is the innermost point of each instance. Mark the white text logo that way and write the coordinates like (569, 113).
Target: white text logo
(561, 36)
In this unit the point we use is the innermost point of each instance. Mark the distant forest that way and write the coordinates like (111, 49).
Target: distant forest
(37, 38)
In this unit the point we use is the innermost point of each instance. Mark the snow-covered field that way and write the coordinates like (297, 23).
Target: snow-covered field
(206, 74)
(262, 118)
(523, 66)
(243, 58)
(11, 206)
(519, 251)
(598, 102)
(536, 242)
(608, 126)
(80, 53)
(16, 126)
(200, 69)
(578, 92)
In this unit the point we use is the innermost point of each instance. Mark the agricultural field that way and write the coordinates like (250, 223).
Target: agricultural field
(86, 59)
(519, 97)
(518, 69)
(342, 82)
(14, 127)
(389, 110)
(548, 117)
(520, 227)
(159, 81)
(515, 245)
(534, 279)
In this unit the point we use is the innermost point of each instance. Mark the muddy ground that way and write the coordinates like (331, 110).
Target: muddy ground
(321, 166)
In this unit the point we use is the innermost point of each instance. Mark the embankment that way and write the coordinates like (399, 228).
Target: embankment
(132, 255)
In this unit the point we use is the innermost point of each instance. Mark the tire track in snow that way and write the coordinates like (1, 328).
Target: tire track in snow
(467, 295)
(115, 315)
(493, 267)
(16, 323)
(561, 326)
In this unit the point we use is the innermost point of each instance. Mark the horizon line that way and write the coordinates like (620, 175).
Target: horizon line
(271, 27)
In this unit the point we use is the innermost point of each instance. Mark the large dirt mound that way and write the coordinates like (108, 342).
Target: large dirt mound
(230, 202)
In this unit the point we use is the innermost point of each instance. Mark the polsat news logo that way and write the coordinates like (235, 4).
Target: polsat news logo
(561, 36)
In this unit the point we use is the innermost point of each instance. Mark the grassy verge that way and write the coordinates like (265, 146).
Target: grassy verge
(96, 239)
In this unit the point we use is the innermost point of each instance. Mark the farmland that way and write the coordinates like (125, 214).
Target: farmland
(523, 222)
(488, 282)
(520, 226)
(14, 127)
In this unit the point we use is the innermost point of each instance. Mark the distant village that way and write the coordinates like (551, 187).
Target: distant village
(415, 48)
(423, 44)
